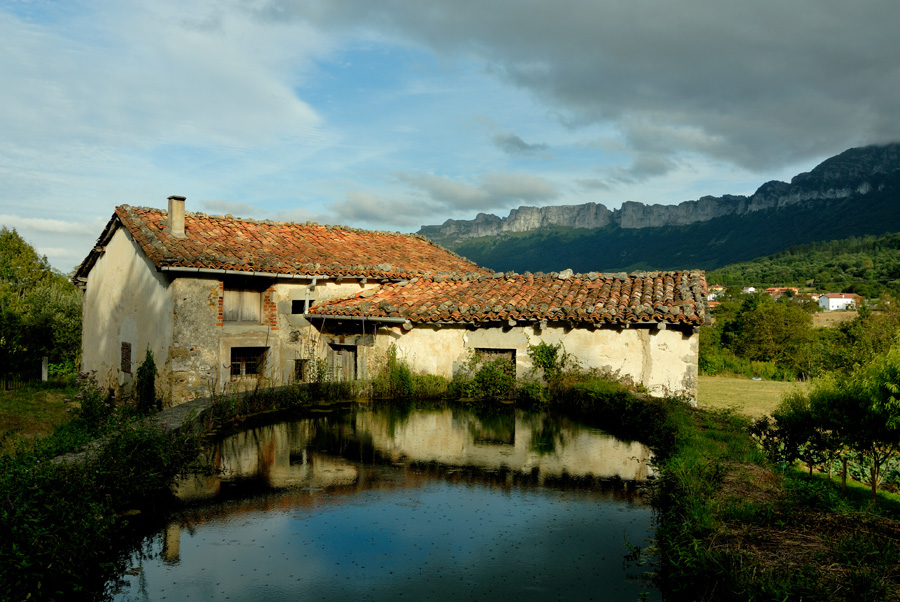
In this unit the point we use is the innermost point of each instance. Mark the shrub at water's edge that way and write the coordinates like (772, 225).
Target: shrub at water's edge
(64, 526)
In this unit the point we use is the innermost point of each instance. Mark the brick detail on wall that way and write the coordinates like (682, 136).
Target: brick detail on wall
(220, 316)
(270, 312)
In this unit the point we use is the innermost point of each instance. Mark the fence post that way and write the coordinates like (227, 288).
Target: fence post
(44, 368)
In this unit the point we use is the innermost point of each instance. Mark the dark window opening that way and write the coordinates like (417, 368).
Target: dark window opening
(298, 306)
(247, 361)
(489, 355)
(126, 358)
(302, 371)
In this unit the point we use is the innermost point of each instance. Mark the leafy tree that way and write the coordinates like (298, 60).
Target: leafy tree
(52, 321)
(768, 331)
(862, 409)
(40, 309)
(21, 269)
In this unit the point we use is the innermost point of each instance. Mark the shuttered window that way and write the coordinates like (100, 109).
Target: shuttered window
(342, 362)
(242, 306)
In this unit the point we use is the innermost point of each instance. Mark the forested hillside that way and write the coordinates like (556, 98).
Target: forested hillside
(706, 245)
(868, 266)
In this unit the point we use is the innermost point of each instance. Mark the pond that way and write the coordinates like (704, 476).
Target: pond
(398, 502)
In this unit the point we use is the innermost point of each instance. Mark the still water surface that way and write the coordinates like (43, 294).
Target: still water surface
(388, 503)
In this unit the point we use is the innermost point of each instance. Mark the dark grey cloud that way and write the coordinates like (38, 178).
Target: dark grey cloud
(513, 145)
(758, 84)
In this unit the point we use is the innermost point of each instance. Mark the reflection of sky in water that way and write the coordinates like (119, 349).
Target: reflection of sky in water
(436, 542)
(329, 508)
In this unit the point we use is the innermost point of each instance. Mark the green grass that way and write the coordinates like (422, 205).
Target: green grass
(753, 398)
(35, 411)
(732, 529)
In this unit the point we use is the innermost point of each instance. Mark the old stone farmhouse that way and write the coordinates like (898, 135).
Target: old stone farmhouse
(224, 303)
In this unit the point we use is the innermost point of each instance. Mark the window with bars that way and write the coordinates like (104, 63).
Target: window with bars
(247, 361)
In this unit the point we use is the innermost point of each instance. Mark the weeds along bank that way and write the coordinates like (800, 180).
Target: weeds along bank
(733, 526)
(64, 527)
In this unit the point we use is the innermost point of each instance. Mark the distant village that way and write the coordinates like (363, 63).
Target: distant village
(825, 301)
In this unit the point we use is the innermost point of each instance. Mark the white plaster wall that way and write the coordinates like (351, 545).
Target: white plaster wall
(664, 361)
(428, 350)
(125, 300)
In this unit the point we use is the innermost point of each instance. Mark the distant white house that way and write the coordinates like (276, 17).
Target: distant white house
(715, 292)
(835, 301)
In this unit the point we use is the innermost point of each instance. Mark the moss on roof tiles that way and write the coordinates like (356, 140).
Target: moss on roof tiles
(534, 297)
(285, 247)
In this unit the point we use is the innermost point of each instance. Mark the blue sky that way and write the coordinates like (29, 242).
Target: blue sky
(399, 113)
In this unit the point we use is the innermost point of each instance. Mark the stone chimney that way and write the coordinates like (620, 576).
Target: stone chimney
(175, 223)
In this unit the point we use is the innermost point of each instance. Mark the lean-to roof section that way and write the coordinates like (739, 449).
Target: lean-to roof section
(675, 298)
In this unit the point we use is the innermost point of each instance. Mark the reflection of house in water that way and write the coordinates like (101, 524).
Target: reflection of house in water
(276, 454)
(446, 437)
(286, 455)
(338, 453)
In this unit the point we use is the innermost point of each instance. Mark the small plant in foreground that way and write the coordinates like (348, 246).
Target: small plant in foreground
(147, 401)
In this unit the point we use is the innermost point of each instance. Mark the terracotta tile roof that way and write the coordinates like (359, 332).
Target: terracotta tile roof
(217, 242)
(644, 297)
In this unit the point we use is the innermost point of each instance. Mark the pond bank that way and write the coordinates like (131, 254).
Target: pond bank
(731, 528)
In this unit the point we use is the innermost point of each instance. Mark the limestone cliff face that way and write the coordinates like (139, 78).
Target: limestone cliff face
(857, 171)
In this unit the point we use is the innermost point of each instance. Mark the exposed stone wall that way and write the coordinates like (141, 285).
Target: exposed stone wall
(199, 361)
(191, 363)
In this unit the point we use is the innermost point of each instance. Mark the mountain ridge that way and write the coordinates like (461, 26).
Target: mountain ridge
(857, 171)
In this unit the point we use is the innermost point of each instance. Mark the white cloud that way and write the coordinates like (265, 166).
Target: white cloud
(371, 210)
(763, 82)
(235, 208)
(139, 74)
(514, 145)
(48, 225)
(524, 187)
(446, 191)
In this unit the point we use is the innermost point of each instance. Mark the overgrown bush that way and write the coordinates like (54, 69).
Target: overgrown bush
(97, 404)
(395, 379)
(145, 386)
(495, 379)
(62, 527)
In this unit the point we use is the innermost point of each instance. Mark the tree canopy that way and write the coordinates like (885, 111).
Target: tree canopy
(40, 309)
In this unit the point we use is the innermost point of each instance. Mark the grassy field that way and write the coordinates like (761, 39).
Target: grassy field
(750, 397)
(832, 318)
(33, 412)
